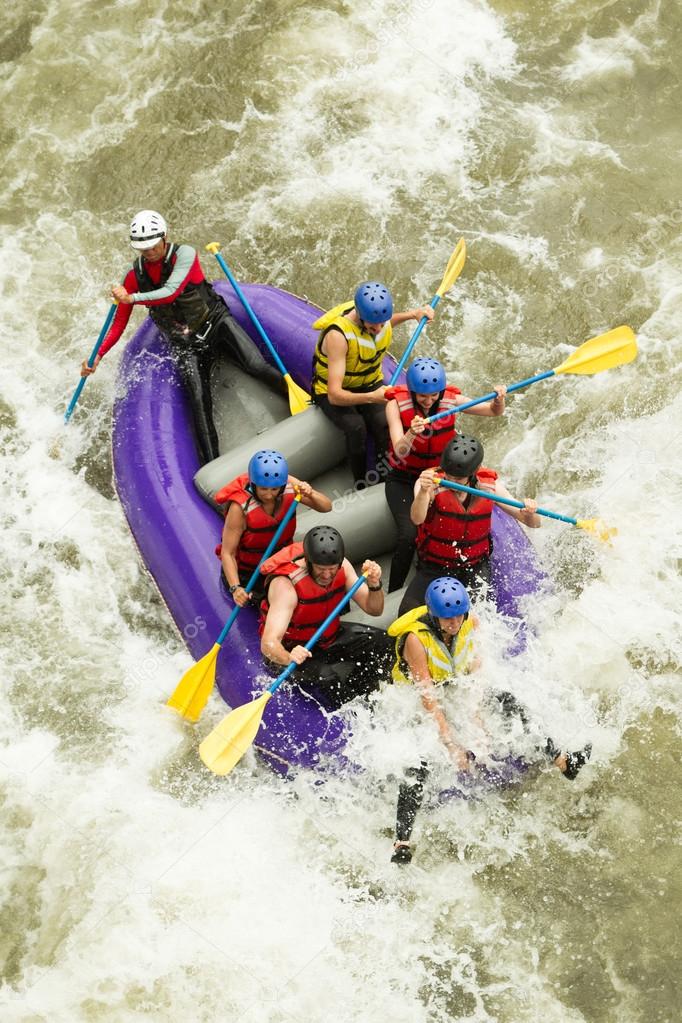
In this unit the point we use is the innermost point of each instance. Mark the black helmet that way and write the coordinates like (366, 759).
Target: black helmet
(323, 545)
(462, 456)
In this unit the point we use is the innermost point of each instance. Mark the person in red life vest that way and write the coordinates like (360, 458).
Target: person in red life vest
(304, 583)
(169, 281)
(453, 530)
(348, 382)
(257, 501)
(417, 445)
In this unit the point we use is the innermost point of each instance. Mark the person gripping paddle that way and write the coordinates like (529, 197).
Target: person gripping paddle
(168, 280)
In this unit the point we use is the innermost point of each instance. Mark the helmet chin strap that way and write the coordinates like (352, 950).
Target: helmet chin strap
(434, 625)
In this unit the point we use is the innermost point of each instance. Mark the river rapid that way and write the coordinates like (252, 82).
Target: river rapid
(322, 144)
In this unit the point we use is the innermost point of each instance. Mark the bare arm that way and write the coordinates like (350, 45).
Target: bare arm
(402, 440)
(424, 491)
(234, 526)
(395, 428)
(495, 407)
(283, 601)
(311, 498)
(371, 601)
(335, 348)
(415, 655)
(526, 516)
(412, 314)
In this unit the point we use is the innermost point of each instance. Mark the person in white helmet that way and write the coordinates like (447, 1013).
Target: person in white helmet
(169, 281)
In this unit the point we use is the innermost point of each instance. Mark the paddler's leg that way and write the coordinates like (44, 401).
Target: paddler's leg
(240, 349)
(369, 652)
(347, 419)
(511, 708)
(415, 592)
(475, 578)
(410, 797)
(320, 679)
(568, 763)
(355, 664)
(375, 420)
(194, 361)
(399, 496)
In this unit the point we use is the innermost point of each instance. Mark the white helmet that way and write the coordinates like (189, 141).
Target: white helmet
(146, 229)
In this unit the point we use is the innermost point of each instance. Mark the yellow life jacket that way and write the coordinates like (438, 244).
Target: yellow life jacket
(442, 663)
(365, 353)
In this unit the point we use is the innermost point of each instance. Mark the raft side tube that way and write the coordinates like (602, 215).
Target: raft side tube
(362, 517)
(309, 441)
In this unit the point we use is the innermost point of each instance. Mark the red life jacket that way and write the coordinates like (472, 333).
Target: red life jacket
(451, 532)
(260, 527)
(314, 602)
(427, 447)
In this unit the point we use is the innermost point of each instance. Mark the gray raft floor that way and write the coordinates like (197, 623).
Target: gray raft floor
(248, 416)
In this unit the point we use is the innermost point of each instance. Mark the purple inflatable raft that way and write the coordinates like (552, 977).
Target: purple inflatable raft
(167, 499)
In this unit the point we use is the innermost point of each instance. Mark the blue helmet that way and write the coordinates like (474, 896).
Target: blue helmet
(447, 598)
(268, 468)
(426, 376)
(373, 302)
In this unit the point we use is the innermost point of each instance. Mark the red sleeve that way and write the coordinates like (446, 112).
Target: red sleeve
(121, 316)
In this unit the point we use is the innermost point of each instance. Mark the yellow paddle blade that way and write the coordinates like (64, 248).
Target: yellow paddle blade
(299, 401)
(226, 745)
(194, 688)
(454, 267)
(615, 348)
(597, 528)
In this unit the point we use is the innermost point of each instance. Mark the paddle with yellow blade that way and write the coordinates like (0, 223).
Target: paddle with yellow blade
(299, 400)
(452, 272)
(616, 348)
(194, 688)
(594, 526)
(226, 745)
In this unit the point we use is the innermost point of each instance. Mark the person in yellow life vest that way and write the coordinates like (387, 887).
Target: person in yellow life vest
(303, 584)
(434, 643)
(348, 383)
(454, 529)
(257, 501)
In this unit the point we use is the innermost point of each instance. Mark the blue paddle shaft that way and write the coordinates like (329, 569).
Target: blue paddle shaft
(91, 362)
(412, 342)
(314, 638)
(506, 500)
(252, 316)
(492, 395)
(256, 572)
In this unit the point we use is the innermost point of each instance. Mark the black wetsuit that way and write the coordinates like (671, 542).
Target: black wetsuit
(199, 327)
